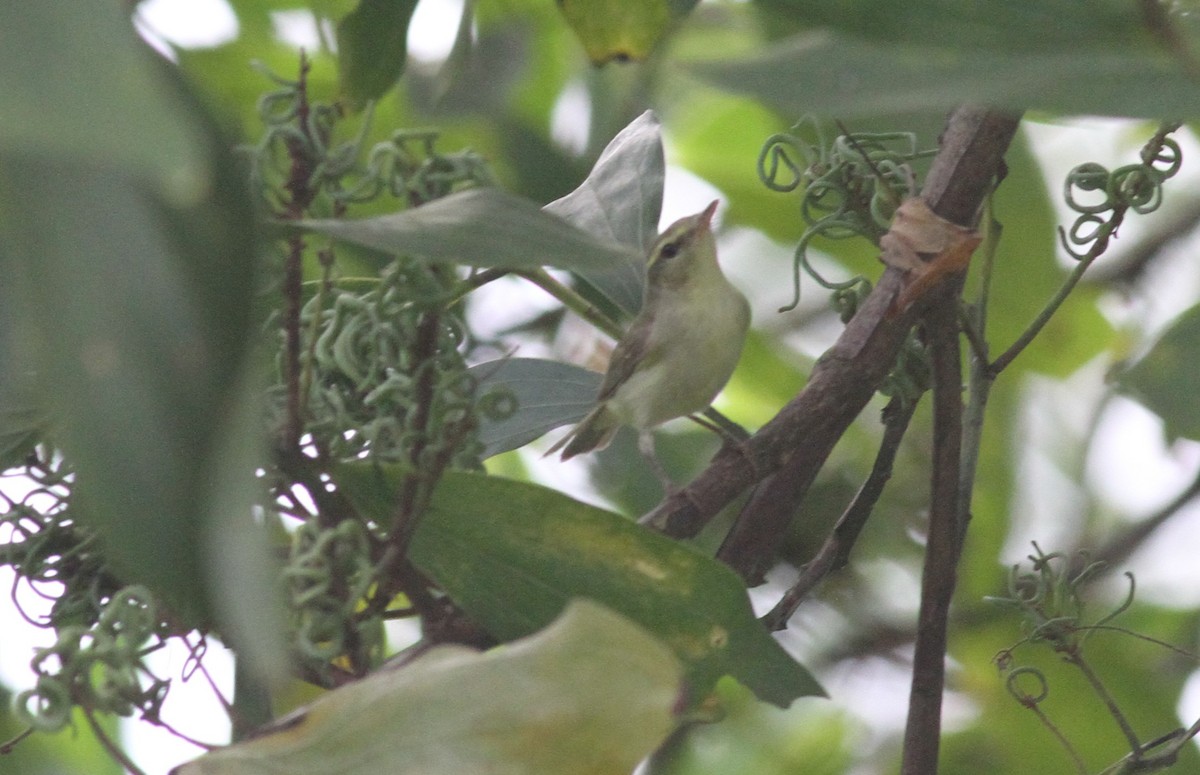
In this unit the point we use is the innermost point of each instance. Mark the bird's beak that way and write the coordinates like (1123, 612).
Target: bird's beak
(706, 216)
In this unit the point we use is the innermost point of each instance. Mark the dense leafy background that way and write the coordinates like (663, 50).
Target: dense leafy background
(123, 225)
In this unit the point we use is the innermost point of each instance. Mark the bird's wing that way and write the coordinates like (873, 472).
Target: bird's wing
(629, 352)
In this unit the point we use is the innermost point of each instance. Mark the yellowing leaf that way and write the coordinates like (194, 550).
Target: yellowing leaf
(592, 694)
(514, 554)
(621, 29)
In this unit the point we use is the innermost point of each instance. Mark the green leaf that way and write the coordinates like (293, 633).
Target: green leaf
(876, 78)
(514, 554)
(1013, 25)
(76, 83)
(620, 201)
(140, 308)
(373, 48)
(546, 394)
(241, 569)
(622, 30)
(1164, 379)
(592, 694)
(459, 59)
(483, 227)
(22, 416)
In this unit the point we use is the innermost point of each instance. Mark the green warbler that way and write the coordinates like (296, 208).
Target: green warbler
(679, 350)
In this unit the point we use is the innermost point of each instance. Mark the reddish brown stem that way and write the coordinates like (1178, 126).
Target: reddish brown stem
(947, 525)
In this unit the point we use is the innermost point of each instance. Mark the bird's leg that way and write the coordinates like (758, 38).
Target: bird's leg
(721, 425)
(732, 435)
(646, 447)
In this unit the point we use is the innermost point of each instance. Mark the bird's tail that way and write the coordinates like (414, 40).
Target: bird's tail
(594, 431)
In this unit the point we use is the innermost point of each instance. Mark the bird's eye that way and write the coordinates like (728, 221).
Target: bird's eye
(669, 250)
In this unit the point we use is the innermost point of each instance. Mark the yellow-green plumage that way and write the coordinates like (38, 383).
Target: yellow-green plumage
(680, 349)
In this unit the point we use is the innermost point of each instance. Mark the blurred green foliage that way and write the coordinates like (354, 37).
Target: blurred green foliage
(126, 231)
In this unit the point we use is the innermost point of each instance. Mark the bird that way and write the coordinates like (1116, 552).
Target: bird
(680, 349)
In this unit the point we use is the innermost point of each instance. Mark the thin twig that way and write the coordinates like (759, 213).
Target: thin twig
(301, 196)
(835, 552)
(110, 745)
(8, 745)
(1121, 546)
(573, 301)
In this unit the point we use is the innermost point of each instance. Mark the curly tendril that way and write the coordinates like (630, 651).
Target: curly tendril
(1102, 198)
(327, 572)
(420, 175)
(1017, 676)
(372, 369)
(54, 557)
(406, 166)
(367, 375)
(1051, 601)
(1050, 596)
(100, 668)
(850, 188)
(102, 631)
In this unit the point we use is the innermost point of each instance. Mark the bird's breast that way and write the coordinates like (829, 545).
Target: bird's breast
(692, 351)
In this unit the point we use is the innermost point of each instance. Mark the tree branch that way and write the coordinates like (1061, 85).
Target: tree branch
(1120, 546)
(796, 442)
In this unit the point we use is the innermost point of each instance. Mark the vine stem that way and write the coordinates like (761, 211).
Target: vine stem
(1055, 302)
(1150, 152)
(1076, 759)
(1075, 658)
(572, 300)
(980, 376)
(314, 329)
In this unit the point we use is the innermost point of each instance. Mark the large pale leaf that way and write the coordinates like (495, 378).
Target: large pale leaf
(879, 77)
(23, 417)
(241, 568)
(542, 395)
(1164, 379)
(513, 554)
(484, 227)
(140, 310)
(592, 694)
(620, 201)
(76, 83)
